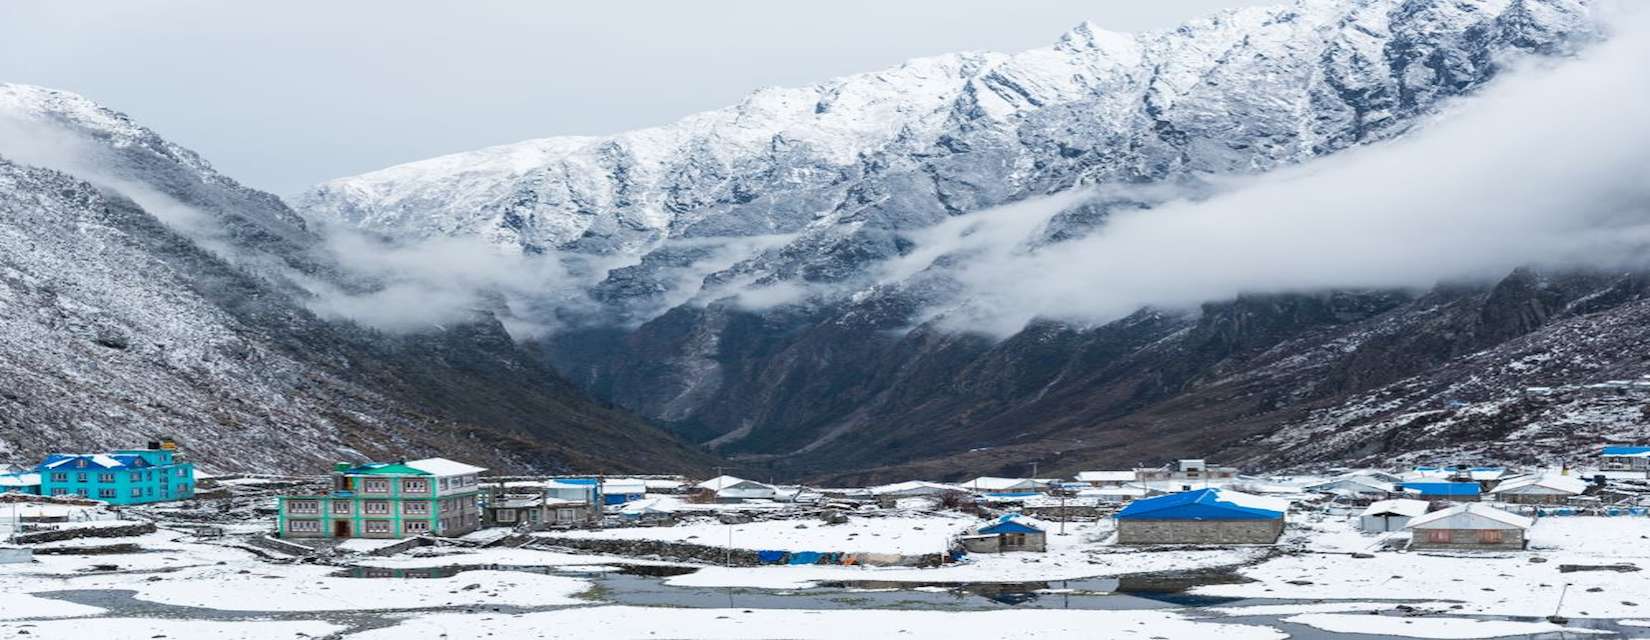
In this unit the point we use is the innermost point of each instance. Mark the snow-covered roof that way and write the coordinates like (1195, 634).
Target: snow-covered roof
(623, 486)
(1471, 515)
(989, 483)
(723, 482)
(1399, 507)
(20, 480)
(443, 467)
(1559, 483)
(1106, 476)
(1353, 484)
(1205, 504)
(914, 487)
(663, 484)
(1111, 491)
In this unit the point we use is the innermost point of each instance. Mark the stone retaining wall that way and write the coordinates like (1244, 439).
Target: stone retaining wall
(72, 533)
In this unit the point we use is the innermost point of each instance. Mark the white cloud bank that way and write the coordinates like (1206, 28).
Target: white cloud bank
(1548, 165)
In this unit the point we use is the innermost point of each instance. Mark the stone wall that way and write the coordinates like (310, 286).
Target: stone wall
(1468, 540)
(1134, 531)
(71, 533)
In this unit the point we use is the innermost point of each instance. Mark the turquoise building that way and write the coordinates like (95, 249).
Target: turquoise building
(433, 496)
(129, 476)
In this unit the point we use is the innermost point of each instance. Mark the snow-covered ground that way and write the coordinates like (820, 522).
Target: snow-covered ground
(916, 534)
(231, 593)
(1494, 583)
(736, 624)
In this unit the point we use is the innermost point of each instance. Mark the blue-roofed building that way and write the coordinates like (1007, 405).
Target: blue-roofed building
(1625, 458)
(1204, 516)
(129, 476)
(1012, 532)
(1443, 490)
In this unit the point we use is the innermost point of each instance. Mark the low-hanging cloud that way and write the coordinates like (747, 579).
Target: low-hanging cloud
(1548, 165)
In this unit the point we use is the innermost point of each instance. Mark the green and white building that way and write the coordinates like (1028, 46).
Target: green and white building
(387, 500)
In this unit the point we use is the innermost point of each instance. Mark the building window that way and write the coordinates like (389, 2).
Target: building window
(303, 526)
(506, 515)
(106, 493)
(415, 508)
(303, 506)
(416, 526)
(80, 492)
(137, 492)
(60, 492)
(80, 477)
(1438, 535)
(377, 506)
(60, 477)
(378, 526)
(415, 485)
(183, 472)
(1490, 536)
(341, 507)
(375, 485)
(183, 488)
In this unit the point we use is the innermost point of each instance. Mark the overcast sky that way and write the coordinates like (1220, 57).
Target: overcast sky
(281, 95)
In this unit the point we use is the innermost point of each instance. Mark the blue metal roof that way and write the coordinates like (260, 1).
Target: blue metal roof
(1443, 488)
(1009, 524)
(1626, 451)
(1202, 504)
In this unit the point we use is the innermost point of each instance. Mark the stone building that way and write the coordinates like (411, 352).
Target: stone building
(1467, 527)
(1541, 489)
(1204, 516)
(1011, 532)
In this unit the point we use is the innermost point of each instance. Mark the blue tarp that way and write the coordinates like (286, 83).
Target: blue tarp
(1626, 451)
(1443, 488)
(805, 557)
(1202, 504)
(770, 557)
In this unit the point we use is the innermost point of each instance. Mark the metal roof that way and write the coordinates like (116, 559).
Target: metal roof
(1205, 504)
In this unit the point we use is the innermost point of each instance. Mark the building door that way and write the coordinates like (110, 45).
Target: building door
(340, 529)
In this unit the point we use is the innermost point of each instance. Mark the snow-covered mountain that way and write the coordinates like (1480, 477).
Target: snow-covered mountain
(829, 174)
(729, 261)
(144, 294)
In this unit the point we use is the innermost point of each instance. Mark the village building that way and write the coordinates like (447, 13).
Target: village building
(20, 482)
(889, 494)
(1112, 494)
(536, 512)
(1106, 478)
(580, 490)
(730, 489)
(1008, 533)
(622, 490)
(990, 484)
(1356, 486)
(1625, 458)
(387, 500)
(128, 476)
(1443, 490)
(559, 502)
(1203, 516)
(1186, 475)
(1467, 527)
(1539, 489)
(1391, 515)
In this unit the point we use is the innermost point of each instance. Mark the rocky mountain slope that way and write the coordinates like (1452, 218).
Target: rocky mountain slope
(144, 294)
(729, 276)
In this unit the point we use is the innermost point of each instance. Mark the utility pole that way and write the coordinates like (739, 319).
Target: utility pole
(1033, 469)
